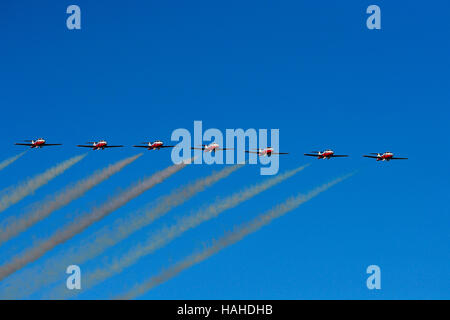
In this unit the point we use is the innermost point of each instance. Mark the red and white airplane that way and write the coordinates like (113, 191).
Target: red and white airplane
(327, 154)
(266, 152)
(102, 144)
(387, 156)
(39, 143)
(156, 145)
(212, 147)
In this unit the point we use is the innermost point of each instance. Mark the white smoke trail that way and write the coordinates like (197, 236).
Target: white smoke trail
(111, 235)
(124, 227)
(24, 189)
(166, 235)
(83, 222)
(8, 161)
(227, 240)
(14, 225)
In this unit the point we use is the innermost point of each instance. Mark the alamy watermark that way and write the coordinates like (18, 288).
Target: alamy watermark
(374, 20)
(73, 282)
(212, 146)
(73, 21)
(374, 280)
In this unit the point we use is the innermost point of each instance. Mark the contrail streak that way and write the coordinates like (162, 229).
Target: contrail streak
(108, 236)
(8, 161)
(166, 235)
(13, 226)
(124, 227)
(229, 239)
(86, 220)
(24, 189)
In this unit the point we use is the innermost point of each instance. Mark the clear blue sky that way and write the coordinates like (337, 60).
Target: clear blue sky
(140, 69)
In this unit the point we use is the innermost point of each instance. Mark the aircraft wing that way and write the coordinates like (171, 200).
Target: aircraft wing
(252, 152)
(373, 157)
(51, 144)
(339, 155)
(112, 146)
(23, 144)
(203, 148)
(279, 153)
(399, 158)
(224, 148)
(311, 155)
(167, 147)
(141, 146)
(85, 146)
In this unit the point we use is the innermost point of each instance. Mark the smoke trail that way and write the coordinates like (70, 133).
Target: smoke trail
(7, 162)
(164, 236)
(229, 239)
(26, 188)
(13, 226)
(86, 220)
(108, 236)
(124, 227)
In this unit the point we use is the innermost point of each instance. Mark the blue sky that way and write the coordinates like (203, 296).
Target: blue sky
(138, 71)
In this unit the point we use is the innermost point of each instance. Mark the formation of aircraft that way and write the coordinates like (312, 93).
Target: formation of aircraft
(102, 144)
(38, 143)
(212, 147)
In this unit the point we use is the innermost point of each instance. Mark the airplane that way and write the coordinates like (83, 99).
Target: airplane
(212, 147)
(102, 144)
(39, 143)
(387, 156)
(266, 152)
(156, 145)
(327, 154)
